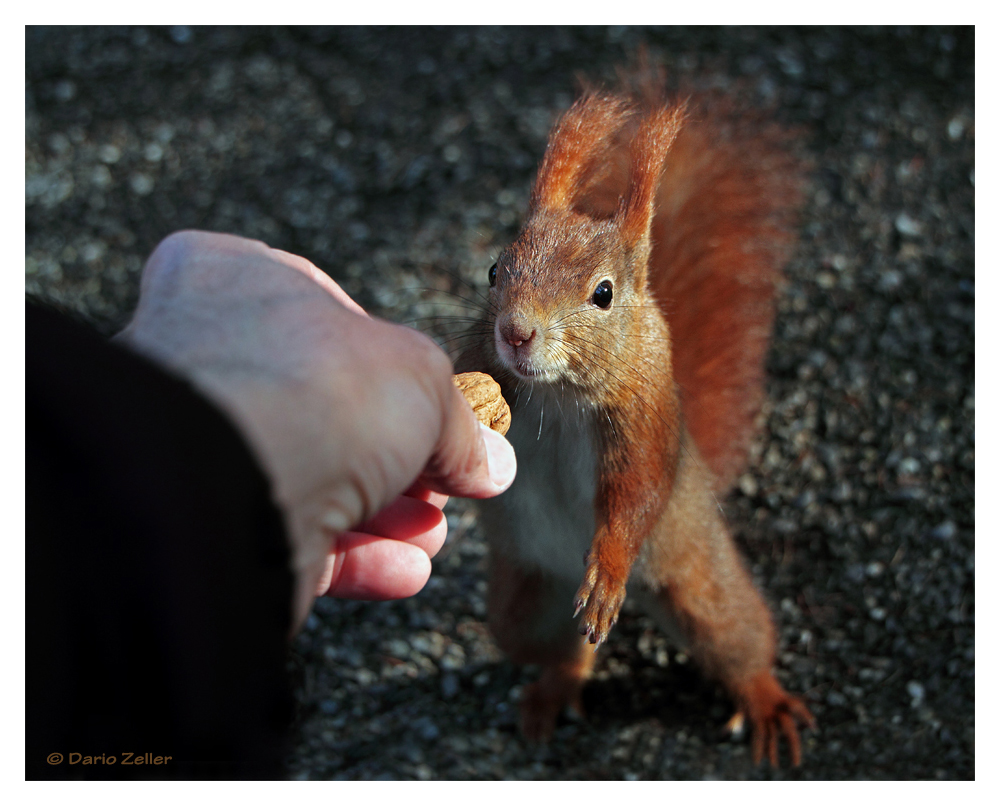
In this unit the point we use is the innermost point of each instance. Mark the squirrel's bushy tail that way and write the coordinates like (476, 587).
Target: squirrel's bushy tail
(725, 225)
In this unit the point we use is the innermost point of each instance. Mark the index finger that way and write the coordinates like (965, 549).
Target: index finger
(421, 493)
(318, 276)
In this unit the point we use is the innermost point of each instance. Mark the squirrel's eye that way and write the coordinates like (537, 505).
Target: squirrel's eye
(603, 294)
(493, 275)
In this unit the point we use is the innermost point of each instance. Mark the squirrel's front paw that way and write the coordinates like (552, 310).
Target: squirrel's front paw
(600, 598)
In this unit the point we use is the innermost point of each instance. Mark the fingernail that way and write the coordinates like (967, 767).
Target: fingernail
(499, 457)
(335, 520)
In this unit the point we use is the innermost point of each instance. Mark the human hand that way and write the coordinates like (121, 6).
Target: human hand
(356, 421)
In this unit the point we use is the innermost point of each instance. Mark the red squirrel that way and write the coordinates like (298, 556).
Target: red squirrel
(627, 326)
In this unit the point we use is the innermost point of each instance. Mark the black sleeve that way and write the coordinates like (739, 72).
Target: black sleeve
(158, 589)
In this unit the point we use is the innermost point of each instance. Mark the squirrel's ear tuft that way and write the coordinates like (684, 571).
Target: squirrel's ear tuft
(583, 135)
(649, 148)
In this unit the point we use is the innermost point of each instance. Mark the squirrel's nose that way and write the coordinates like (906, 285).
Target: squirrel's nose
(516, 333)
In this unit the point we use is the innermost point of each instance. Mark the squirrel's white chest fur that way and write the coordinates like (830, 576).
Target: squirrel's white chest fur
(546, 518)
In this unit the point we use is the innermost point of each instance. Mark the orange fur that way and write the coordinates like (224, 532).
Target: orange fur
(727, 201)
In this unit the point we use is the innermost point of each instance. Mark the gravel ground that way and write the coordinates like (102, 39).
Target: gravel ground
(400, 160)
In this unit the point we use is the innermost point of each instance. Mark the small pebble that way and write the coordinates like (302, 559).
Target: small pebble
(906, 225)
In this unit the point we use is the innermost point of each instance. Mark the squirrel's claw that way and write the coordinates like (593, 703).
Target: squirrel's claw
(735, 726)
(600, 597)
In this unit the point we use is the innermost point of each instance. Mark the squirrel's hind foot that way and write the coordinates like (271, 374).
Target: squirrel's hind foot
(559, 687)
(772, 713)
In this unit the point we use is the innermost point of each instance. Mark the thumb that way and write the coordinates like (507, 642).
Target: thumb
(469, 460)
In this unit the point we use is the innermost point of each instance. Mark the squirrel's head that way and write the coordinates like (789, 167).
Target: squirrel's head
(570, 293)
